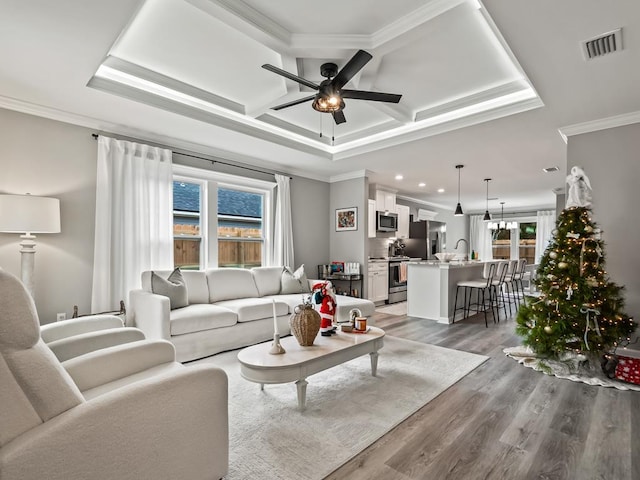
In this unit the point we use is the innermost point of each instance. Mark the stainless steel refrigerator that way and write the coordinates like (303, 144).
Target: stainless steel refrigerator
(426, 238)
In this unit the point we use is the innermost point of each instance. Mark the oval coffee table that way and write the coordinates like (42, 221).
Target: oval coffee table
(259, 366)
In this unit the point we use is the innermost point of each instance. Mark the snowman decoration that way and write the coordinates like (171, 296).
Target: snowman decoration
(324, 295)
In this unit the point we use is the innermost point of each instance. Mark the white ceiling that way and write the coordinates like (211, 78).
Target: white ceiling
(487, 85)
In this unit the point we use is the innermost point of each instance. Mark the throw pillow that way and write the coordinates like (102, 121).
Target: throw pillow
(173, 287)
(294, 282)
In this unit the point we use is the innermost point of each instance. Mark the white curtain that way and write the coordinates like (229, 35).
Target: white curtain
(480, 237)
(134, 218)
(283, 228)
(546, 221)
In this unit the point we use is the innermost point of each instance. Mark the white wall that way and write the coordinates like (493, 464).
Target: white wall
(611, 160)
(49, 158)
(310, 209)
(350, 246)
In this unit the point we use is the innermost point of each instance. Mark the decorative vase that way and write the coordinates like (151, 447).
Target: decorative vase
(305, 324)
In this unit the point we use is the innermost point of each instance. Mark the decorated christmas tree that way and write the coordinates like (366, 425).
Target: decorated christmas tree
(579, 309)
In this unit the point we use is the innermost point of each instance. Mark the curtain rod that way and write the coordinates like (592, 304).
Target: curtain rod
(212, 161)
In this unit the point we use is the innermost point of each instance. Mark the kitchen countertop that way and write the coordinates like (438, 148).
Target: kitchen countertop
(451, 264)
(387, 259)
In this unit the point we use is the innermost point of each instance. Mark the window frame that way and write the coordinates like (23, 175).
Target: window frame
(514, 245)
(202, 215)
(210, 181)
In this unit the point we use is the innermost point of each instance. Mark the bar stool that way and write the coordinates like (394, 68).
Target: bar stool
(509, 283)
(499, 285)
(517, 278)
(482, 287)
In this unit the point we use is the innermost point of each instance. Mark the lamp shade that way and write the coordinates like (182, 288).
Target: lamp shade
(458, 212)
(29, 214)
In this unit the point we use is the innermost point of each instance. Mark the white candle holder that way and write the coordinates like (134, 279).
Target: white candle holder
(276, 347)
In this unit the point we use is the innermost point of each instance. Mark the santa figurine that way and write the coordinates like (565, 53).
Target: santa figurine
(324, 296)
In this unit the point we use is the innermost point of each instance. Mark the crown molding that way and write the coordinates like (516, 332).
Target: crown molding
(423, 202)
(349, 176)
(600, 124)
(438, 128)
(419, 16)
(247, 20)
(52, 113)
(109, 128)
(484, 96)
(340, 42)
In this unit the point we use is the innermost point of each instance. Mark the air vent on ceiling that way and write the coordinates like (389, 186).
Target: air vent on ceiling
(550, 169)
(603, 44)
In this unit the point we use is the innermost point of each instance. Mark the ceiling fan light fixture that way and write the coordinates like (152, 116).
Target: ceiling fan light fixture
(330, 96)
(327, 104)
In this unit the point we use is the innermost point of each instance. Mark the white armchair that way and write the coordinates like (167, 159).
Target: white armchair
(128, 411)
(77, 336)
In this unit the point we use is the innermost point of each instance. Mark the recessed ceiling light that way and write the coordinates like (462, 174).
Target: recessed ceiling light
(399, 177)
(441, 190)
(422, 184)
(550, 169)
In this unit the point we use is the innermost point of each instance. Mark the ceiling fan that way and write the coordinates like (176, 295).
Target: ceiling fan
(329, 98)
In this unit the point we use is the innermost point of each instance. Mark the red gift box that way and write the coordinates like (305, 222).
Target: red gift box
(628, 370)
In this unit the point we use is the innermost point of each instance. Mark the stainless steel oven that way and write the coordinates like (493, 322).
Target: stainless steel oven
(397, 279)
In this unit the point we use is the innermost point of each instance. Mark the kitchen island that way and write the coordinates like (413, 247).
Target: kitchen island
(431, 287)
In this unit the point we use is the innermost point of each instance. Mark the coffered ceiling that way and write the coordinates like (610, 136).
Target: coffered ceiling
(485, 84)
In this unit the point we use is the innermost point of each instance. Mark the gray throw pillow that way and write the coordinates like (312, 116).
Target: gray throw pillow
(173, 287)
(294, 282)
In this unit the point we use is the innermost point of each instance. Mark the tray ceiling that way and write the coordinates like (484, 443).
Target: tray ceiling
(202, 59)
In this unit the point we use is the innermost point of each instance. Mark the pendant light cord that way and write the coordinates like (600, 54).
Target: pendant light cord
(487, 205)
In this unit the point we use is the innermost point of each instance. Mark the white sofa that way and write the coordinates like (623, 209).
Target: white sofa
(228, 308)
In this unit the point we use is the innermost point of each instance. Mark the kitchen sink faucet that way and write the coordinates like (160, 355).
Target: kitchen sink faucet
(465, 241)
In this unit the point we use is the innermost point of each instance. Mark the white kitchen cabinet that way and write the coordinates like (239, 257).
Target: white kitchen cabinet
(378, 281)
(403, 221)
(385, 200)
(371, 227)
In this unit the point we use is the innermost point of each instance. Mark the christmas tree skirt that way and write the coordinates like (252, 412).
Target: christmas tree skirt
(572, 368)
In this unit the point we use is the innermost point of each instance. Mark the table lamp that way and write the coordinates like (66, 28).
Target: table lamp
(28, 214)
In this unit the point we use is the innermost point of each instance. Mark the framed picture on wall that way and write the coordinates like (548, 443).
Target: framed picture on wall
(346, 219)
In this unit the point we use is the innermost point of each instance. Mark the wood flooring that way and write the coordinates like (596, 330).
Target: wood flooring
(503, 421)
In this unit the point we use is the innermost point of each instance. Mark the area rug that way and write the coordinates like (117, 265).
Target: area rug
(569, 370)
(347, 409)
(394, 309)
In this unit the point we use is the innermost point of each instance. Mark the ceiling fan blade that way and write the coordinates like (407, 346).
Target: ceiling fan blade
(338, 117)
(294, 102)
(353, 66)
(291, 76)
(373, 96)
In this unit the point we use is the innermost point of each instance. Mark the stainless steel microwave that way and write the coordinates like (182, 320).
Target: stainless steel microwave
(386, 221)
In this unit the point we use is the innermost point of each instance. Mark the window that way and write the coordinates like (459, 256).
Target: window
(240, 233)
(527, 243)
(187, 229)
(516, 243)
(501, 244)
(219, 220)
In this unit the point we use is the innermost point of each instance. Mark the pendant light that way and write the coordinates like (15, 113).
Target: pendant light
(501, 225)
(487, 215)
(458, 212)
